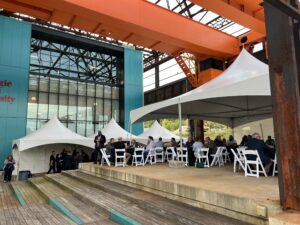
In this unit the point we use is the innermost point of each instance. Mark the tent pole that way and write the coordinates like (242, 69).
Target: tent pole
(232, 126)
(130, 129)
(180, 125)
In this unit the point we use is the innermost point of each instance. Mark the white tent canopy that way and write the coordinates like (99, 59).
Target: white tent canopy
(239, 95)
(113, 130)
(157, 131)
(32, 152)
(53, 132)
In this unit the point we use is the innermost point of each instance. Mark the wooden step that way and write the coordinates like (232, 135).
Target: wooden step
(107, 201)
(38, 214)
(81, 210)
(7, 197)
(171, 209)
(28, 192)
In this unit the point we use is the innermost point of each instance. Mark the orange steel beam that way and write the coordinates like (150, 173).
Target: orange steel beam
(234, 14)
(149, 24)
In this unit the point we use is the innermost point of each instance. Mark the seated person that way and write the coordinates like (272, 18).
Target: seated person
(121, 145)
(255, 143)
(159, 144)
(197, 144)
(110, 149)
(150, 144)
(174, 144)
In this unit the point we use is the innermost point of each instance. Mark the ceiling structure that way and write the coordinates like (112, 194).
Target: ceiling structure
(161, 28)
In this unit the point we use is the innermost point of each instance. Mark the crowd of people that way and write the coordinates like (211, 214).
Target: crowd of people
(66, 160)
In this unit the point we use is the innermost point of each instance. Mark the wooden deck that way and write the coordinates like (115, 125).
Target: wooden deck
(80, 209)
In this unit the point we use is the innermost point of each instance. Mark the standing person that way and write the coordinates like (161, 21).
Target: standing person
(9, 166)
(59, 162)
(191, 155)
(52, 162)
(99, 141)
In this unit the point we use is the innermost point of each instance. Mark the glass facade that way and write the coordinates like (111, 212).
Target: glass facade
(79, 86)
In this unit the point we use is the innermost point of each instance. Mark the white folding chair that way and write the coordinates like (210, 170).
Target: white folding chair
(170, 154)
(237, 160)
(275, 170)
(225, 155)
(151, 157)
(138, 157)
(105, 157)
(204, 155)
(182, 155)
(120, 157)
(218, 157)
(259, 168)
(160, 154)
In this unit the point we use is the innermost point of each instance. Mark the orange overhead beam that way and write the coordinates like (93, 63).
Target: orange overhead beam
(136, 21)
(237, 15)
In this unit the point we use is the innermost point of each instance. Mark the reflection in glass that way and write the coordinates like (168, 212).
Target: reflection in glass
(43, 106)
(31, 126)
(115, 93)
(33, 83)
(91, 90)
(72, 112)
(63, 86)
(72, 87)
(99, 91)
(32, 105)
(63, 107)
(53, 105)
(107, 110)
(54, 85)
(107, 92)
(81, 88)
(81, 127)
(44, 84)
(81, 108)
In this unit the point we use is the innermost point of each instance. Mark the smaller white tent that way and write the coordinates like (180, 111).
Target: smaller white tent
(32, 152)
(114, 130)
(157, 131)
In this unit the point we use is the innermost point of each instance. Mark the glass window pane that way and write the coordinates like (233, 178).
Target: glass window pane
(107, 110)
(33, 83)
(63, 107)
(72, 125)
(81, 88)
(91, 90)
(44, 84)
(54, 85)
(43, 106)
(90, 108)
(99, 91)
(63, 86)
(89, 129)
(99, 110)
(31, 126)
(53, 105)
(115, 110)
(72, 107)
(81, 108)
(72, 87)
(32, 105)
(107, 92)
(115, 92)
(99, 126)
(81, 127)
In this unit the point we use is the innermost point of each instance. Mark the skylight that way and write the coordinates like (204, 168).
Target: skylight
(202, 15)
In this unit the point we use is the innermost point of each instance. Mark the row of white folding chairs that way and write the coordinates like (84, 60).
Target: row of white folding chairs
(252, 167)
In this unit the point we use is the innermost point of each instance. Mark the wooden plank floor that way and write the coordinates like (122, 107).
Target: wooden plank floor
(83, 211)
(30, 194)
(38, 214)
(108, 201)
(7, 197)
(184, 213)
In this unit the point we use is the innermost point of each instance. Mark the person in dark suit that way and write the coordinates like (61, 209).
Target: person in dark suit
(52, 163)
(255, 143)
(99, 141)
(191, 156)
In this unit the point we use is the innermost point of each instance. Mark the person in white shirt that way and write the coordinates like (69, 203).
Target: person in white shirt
(150, 144)
(197, 144)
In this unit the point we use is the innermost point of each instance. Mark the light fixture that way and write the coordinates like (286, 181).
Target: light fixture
(33, 98)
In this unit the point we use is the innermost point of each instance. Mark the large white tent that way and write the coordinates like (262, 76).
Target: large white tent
(32, 152)
(114, 130)
(157, 131)
(239, 95)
